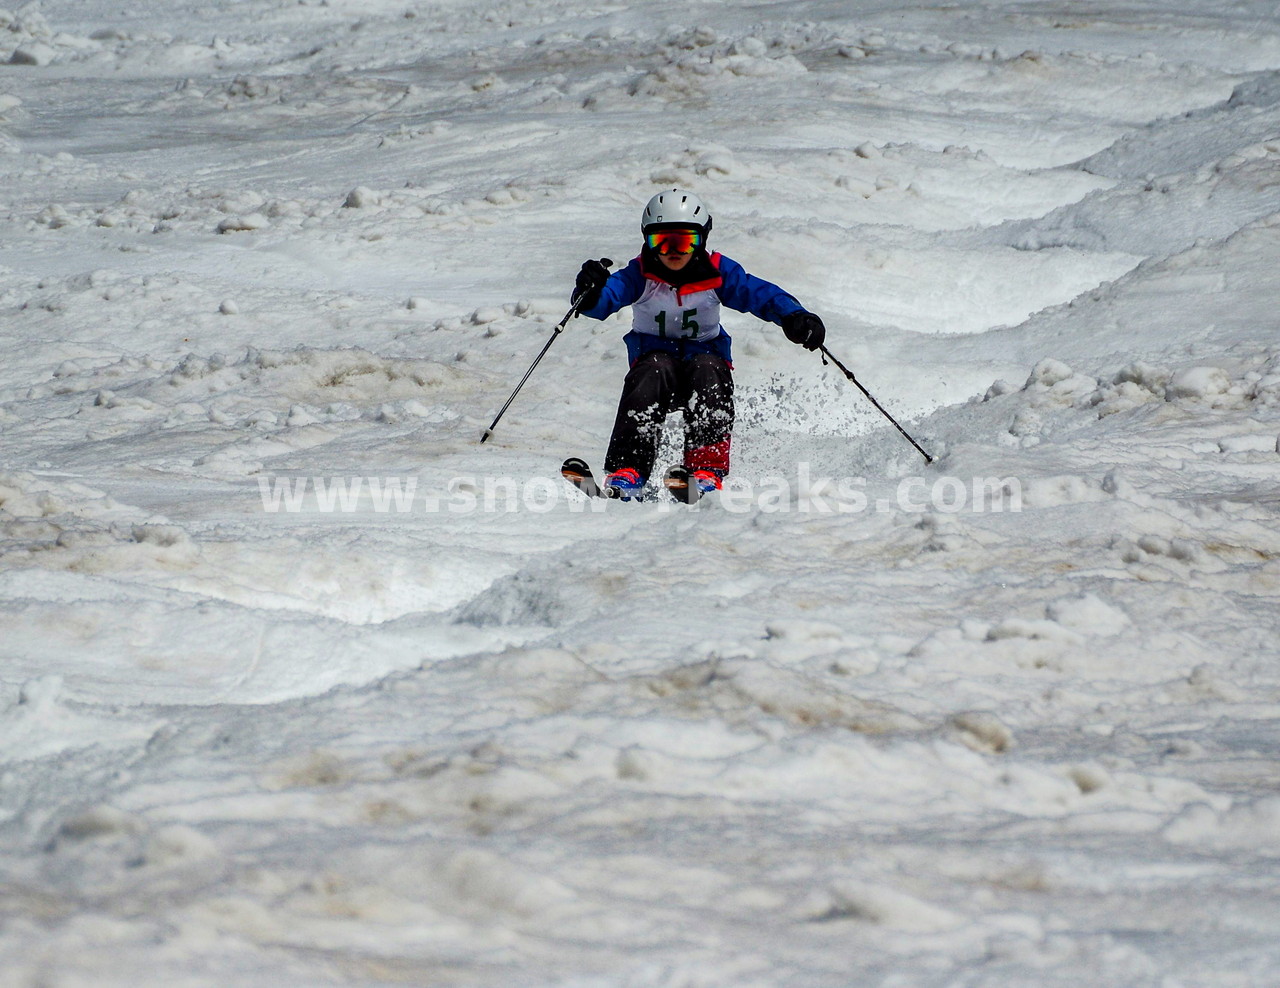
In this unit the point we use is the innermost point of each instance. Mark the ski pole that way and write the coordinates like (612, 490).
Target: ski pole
(827, 354)
(573, 311)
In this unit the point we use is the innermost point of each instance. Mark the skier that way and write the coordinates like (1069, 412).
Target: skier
(679, 353)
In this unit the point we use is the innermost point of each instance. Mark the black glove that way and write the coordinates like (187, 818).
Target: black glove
(804, 328)
(590, 281)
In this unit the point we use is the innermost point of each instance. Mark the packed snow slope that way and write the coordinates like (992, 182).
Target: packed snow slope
(303, 685)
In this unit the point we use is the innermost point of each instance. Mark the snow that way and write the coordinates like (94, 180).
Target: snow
(302, 684)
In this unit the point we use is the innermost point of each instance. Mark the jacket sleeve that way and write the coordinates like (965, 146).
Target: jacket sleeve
(747, 293)
(624, 286)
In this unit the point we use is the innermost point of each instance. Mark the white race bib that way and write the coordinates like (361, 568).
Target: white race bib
(661, 312)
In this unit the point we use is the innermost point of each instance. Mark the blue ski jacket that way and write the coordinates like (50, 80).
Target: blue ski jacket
(685, 318)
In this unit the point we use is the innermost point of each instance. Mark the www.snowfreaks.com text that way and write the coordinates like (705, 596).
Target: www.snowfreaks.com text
(802, 493)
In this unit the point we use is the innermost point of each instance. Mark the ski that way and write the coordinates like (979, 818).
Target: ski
(677, 481)
(578, 473)
(681, 485)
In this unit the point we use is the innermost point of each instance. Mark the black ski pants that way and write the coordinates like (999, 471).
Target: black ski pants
(660, 383)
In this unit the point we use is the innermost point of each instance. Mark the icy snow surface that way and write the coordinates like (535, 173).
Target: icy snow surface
(302, 685)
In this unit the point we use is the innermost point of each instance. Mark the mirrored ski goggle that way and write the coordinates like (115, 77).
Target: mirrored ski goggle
(674, 241)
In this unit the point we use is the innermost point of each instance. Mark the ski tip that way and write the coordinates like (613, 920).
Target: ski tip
(578, 473)
(680, 485)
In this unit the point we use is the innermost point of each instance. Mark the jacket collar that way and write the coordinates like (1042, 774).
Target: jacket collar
(700, 275)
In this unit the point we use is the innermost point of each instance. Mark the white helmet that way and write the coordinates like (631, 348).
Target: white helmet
(676, 207)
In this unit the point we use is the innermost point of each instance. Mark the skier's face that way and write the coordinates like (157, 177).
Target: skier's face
(675, 262)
